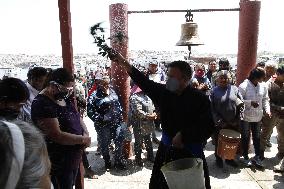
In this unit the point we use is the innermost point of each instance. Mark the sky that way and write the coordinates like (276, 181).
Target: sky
(32, 26)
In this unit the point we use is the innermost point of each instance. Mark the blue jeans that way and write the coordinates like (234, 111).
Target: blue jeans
(106, 134)
(254, 127)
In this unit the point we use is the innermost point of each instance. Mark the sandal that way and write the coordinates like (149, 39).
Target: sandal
(89, 173)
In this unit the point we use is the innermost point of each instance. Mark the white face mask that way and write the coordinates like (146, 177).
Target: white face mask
(172, 84)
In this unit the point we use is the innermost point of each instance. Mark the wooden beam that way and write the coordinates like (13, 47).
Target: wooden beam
(66, 34)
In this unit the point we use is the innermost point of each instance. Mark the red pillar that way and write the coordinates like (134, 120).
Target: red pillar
(67, 56)
(119, 25)
(248, 38)
(66, 34)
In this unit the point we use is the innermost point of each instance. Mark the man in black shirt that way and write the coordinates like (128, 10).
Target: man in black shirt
(185, 116)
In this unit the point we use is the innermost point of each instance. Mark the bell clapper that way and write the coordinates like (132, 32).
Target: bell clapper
(189, 52)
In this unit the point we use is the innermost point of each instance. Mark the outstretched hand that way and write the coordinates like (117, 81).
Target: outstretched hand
(117, 57)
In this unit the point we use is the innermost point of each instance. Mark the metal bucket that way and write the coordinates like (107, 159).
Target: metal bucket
(184, 173)
(228, 143)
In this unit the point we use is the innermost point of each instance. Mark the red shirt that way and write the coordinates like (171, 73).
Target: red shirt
(94, 87)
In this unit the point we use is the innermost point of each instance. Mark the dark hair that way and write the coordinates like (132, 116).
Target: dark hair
(211, 62)
(61, 76)
(261, 64)
(183, 66)
(224, 61)
(280, 69)
(36, 72)
(256, 73)
(13, 90)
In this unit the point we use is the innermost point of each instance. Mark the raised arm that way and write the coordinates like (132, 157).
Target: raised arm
(152, 89)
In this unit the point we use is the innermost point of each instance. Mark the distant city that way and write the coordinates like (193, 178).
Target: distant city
(16, 65)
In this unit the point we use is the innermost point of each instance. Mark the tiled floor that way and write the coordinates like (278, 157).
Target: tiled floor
(228, 177)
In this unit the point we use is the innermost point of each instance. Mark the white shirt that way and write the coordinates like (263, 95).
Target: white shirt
(25, 114)
(259, 94)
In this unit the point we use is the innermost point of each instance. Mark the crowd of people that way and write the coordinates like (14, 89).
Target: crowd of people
(44, 137)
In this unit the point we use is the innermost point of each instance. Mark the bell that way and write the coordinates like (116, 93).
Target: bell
(189, 34)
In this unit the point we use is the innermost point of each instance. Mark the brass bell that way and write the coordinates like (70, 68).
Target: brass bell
(189, 33)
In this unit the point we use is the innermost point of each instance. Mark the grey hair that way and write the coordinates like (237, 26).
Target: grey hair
(223, 73)
(6, 153)
(36, 164)
(271, 63)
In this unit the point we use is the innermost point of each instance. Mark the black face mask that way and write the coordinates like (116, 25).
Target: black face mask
(61, 95)
(9, 114)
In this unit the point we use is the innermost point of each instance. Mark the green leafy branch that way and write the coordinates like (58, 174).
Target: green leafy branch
(98, 33)
(99, 39)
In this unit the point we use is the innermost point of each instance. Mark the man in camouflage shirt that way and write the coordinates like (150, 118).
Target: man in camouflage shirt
(276, 95)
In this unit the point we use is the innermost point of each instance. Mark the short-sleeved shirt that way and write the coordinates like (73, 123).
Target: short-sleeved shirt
(63, 157)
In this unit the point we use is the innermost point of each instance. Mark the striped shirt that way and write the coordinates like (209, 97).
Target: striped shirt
(259, 94)
(25, 114)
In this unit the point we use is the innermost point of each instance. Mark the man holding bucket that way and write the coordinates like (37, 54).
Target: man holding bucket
(185, 116)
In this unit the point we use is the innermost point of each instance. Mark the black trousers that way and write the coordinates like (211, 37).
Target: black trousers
(64, 179)
(166, 154)
(85, 160)
(254, 127)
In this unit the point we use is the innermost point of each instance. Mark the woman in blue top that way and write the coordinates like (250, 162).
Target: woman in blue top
(227, 109)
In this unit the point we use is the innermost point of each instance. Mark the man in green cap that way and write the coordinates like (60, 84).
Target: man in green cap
(276, 95)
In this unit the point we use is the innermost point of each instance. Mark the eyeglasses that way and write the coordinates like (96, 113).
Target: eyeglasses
(61, 87)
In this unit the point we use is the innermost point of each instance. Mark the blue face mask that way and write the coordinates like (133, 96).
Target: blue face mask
(172, 84)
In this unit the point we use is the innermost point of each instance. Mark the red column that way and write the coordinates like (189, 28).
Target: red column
(66, 34)
(67, 56)
(248, 38)
(119, 24)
